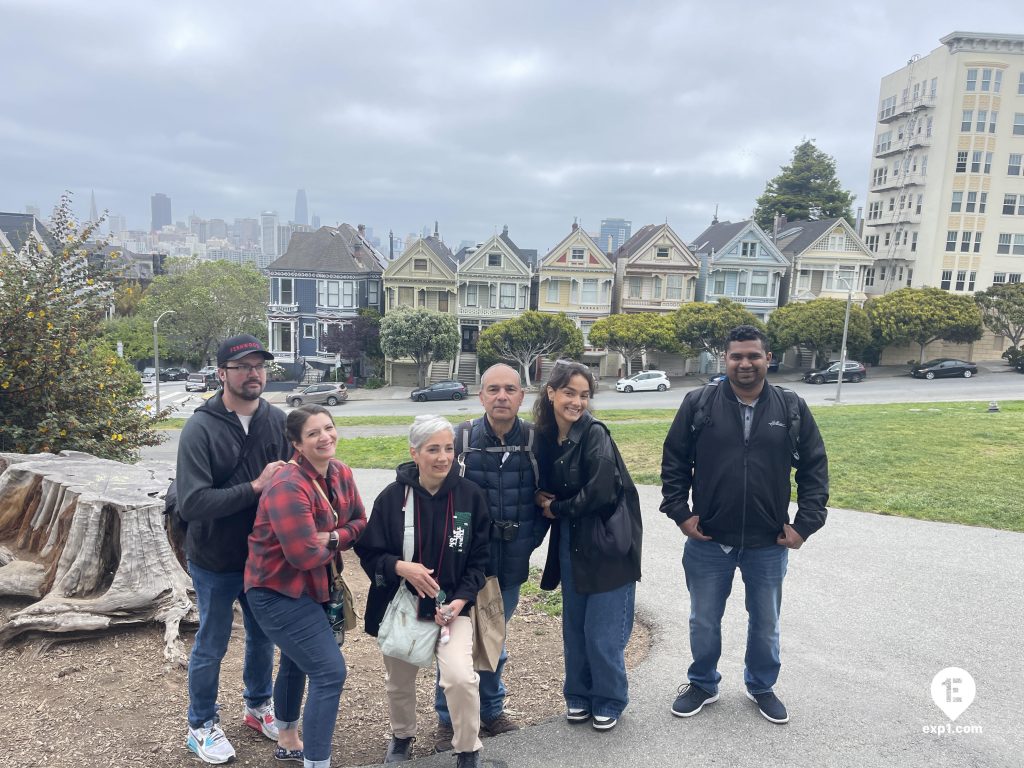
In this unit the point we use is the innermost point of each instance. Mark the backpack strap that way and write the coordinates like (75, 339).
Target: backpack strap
(793, 414)
(464, 430)
(699, 418)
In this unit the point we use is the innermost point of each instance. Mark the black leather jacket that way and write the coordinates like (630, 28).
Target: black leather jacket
(582, 475)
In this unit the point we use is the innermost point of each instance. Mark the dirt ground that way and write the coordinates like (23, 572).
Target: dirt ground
(114, 701)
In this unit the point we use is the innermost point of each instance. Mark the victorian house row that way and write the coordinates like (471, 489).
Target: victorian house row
(327, 276)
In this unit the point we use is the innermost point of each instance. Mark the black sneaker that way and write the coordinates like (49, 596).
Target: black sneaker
(399, 750)
(576, 716)
(691, 700)
(467, 759)
(770, 706)
(604, 723)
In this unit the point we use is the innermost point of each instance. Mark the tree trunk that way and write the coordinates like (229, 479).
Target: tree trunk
(87, 538)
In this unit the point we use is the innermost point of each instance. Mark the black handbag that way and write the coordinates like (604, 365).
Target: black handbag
(613, 535)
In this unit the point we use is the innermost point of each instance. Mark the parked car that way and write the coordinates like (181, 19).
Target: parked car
(324, 393)
(853, 371)
(148, 375)
(644, 380)
(207, 370)
(1019, 367)
(943, 366)
(174, 374)
(773, 365)
(442, 390)
(201, 382)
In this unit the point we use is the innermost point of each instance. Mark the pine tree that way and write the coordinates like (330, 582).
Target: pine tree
(807, 188)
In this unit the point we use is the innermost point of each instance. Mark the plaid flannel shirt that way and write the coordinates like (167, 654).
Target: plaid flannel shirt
(283, 551)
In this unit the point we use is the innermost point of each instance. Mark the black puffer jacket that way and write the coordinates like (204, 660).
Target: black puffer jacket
(509, 483)
(583, 476)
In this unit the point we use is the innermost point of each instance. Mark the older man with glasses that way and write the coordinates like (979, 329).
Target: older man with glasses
(228, 452)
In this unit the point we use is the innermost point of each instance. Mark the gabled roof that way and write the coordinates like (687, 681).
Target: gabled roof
(342, 250)
(436, 244)
(578, 234)
(717, 236)
(17, 227)
(800, 235)
(720, 240)
(643, 237)
(501, 243)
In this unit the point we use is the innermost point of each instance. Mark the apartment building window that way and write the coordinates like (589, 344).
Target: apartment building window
(871, 241)
(741, 283)
(590, 291)
(884, 142)
(577, 254)
(961, 279)
(1010, 204)
(999, 277)
(920, 203)
(880, 175)
(308, 331)
(972, 79)
(1004, 243)
(970, 281)
(1013, 277)
(888, 239)
(910, 277)
(965, 120)
(961, 162)
(419, 265)
(977, 242)
(552, 296)
(661, 253)
(951, 240)
(473, 294)
(928, 127)
(976, 161)
(492, 294)
(986, 79)
(997, 84)
(988, 163)
(405, 297)
(965, 242)
(958, 199)
(674, 287)
(947, 279)
(913, 242)
(1020, 85)
(903, 204)
(1013, 166)
(634, 287)
(992, 121)
(287, 291)
(749, 250)
(494, 260)
(508, 295)
(888, 108)
(1018, 245)
(869, 277)
(524, 296)
(892, 203)
(656, 281)
(875, 210)
(1018, 123)
(972, 201)
(759, 283)
(979, 125)
(719, 285)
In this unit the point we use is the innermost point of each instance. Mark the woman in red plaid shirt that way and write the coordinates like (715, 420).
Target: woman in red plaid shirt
(310, 513)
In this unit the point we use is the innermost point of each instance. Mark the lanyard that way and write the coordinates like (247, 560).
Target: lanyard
(448, 520)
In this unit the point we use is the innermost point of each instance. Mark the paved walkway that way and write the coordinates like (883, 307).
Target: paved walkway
(875, 606)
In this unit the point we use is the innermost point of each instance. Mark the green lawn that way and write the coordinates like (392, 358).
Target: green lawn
(951, 462)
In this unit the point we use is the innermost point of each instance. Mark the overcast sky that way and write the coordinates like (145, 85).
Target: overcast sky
(476, 114)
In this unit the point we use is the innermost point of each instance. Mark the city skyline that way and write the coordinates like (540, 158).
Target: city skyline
(565, 115)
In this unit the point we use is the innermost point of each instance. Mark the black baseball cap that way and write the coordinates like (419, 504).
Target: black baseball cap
(240, 346)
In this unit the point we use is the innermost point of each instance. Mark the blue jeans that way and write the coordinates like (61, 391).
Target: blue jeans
(216, 594)
(709, 574)
(492, 688)
(595, 630)
(300, 629)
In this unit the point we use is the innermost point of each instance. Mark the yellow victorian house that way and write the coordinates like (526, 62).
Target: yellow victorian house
(576, 277)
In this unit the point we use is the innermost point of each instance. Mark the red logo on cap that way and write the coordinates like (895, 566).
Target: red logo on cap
(246, 345)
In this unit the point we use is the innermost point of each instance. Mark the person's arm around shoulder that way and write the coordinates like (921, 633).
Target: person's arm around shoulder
(811, 483)
(677, 472)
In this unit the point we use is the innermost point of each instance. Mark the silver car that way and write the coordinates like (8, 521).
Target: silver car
(325, 393)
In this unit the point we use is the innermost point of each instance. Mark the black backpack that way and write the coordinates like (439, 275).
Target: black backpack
(701, 418)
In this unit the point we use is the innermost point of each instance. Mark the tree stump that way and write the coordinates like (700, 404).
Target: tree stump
(86, 537)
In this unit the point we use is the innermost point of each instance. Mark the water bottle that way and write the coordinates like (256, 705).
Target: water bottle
(336, 616)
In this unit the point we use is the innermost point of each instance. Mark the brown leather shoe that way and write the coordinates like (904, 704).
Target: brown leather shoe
(443, 737)
(501, 724)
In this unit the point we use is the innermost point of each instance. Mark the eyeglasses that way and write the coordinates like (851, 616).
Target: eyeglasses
(247, 369)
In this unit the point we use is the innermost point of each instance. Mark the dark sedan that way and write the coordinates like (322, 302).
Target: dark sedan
(944, 366)
(174, 374)
(853, 371)
(442, 390)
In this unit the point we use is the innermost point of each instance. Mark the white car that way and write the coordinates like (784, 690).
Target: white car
(644, 380)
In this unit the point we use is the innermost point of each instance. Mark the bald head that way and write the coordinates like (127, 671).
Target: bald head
(501, 394)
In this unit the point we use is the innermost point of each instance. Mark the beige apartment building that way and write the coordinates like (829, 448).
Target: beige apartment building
(945, 206)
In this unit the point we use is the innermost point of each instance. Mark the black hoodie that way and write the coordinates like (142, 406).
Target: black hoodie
(460, 541)
(215, 495)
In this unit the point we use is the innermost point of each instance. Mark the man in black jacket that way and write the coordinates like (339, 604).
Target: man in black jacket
(735, 449)
(228, 452)
(497, 452)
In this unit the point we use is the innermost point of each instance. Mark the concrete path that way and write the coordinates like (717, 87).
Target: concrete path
(875, 606)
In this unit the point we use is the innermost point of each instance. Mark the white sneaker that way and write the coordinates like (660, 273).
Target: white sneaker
(210, 743)
(261, 719)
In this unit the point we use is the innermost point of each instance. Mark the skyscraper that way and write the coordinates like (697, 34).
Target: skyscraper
(946, 186)
(301, 211)
(316, 221)
(160, 205)
(93, 215)
(268, 234)
(614, 232)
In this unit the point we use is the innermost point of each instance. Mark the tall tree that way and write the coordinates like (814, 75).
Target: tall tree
(923, 315)
(818, 325)
(61, 387)
(807, 188)
(211, 300)
(529, 336)
(422, 334)
(706, 326)
(1002, 306)
(635, 334)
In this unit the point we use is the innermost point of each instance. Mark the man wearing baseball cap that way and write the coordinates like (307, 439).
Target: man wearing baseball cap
(228, 452)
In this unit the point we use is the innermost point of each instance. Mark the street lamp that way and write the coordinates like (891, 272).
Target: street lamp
(156, 353)
(846, 328)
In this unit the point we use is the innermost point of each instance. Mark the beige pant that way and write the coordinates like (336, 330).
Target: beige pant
(459, 681)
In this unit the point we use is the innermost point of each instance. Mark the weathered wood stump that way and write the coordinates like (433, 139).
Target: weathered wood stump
(86, 537)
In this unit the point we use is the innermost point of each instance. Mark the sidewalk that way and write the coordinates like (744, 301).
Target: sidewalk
(875, 606)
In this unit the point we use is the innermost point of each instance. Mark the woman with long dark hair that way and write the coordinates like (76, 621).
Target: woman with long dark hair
(580, 487)
(310, 513)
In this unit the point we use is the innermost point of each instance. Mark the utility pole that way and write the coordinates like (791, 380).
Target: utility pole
(156, 353)
(846, 329)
